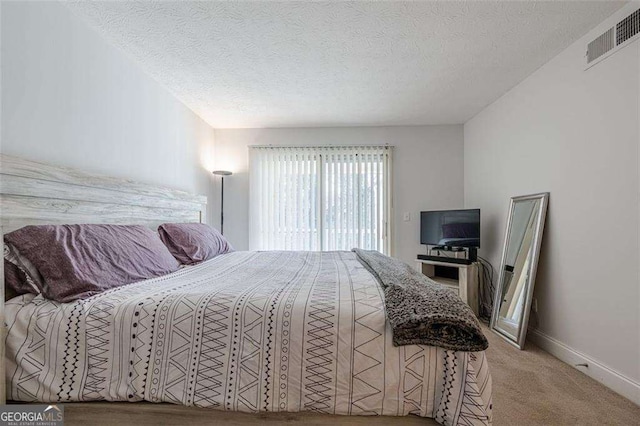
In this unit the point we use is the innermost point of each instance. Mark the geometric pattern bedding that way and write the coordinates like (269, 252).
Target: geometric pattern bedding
(245, 331)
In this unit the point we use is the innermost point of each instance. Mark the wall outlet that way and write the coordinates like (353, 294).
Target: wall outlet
(406, 217)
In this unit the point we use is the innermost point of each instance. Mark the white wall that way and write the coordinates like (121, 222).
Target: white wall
(70, 98)
(574, 133)
(428, 166)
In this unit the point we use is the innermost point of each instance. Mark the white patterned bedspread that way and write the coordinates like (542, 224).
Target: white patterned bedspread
(246, 331)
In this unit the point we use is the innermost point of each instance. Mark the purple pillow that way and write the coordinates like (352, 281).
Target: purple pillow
(79, 261)
(193, 243)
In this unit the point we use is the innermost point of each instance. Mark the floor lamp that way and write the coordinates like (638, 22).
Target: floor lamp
(222, 173)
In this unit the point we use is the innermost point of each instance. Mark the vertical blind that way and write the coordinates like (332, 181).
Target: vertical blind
(320, 198)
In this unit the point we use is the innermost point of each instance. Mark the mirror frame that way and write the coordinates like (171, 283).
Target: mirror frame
(537, 240)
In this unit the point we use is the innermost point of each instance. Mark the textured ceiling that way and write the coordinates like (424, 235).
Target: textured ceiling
(293, 64)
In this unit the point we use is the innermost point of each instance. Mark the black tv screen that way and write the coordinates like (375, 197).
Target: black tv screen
(450, 228)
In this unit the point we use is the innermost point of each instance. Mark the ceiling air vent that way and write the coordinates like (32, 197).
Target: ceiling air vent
(600, 46)
(628, 27)
(613, 39)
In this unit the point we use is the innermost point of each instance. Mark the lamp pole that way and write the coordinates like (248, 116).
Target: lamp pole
(222, 174)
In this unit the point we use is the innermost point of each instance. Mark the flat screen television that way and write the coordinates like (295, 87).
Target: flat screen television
(450, 228)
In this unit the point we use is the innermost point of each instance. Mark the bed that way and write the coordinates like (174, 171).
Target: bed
(244, 331)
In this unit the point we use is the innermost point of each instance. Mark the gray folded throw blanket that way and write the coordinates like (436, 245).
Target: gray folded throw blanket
(421, 311)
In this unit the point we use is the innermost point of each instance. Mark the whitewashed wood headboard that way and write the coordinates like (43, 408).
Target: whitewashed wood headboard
(37, 193)
(33, 193)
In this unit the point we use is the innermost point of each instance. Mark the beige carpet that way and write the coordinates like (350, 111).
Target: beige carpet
(530, 387)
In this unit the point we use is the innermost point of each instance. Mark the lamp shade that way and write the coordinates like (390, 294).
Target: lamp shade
(222, 172)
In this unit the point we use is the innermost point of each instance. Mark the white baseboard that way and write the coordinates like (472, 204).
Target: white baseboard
(596, 370)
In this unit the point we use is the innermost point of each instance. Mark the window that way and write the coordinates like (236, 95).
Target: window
(320, 198)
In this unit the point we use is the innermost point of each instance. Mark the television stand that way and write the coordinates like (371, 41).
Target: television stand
(457, 277)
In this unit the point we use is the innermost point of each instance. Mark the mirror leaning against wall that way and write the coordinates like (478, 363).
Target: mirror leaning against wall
(518, 267)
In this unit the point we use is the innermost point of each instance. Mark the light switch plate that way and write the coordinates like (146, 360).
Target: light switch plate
(406, 217)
